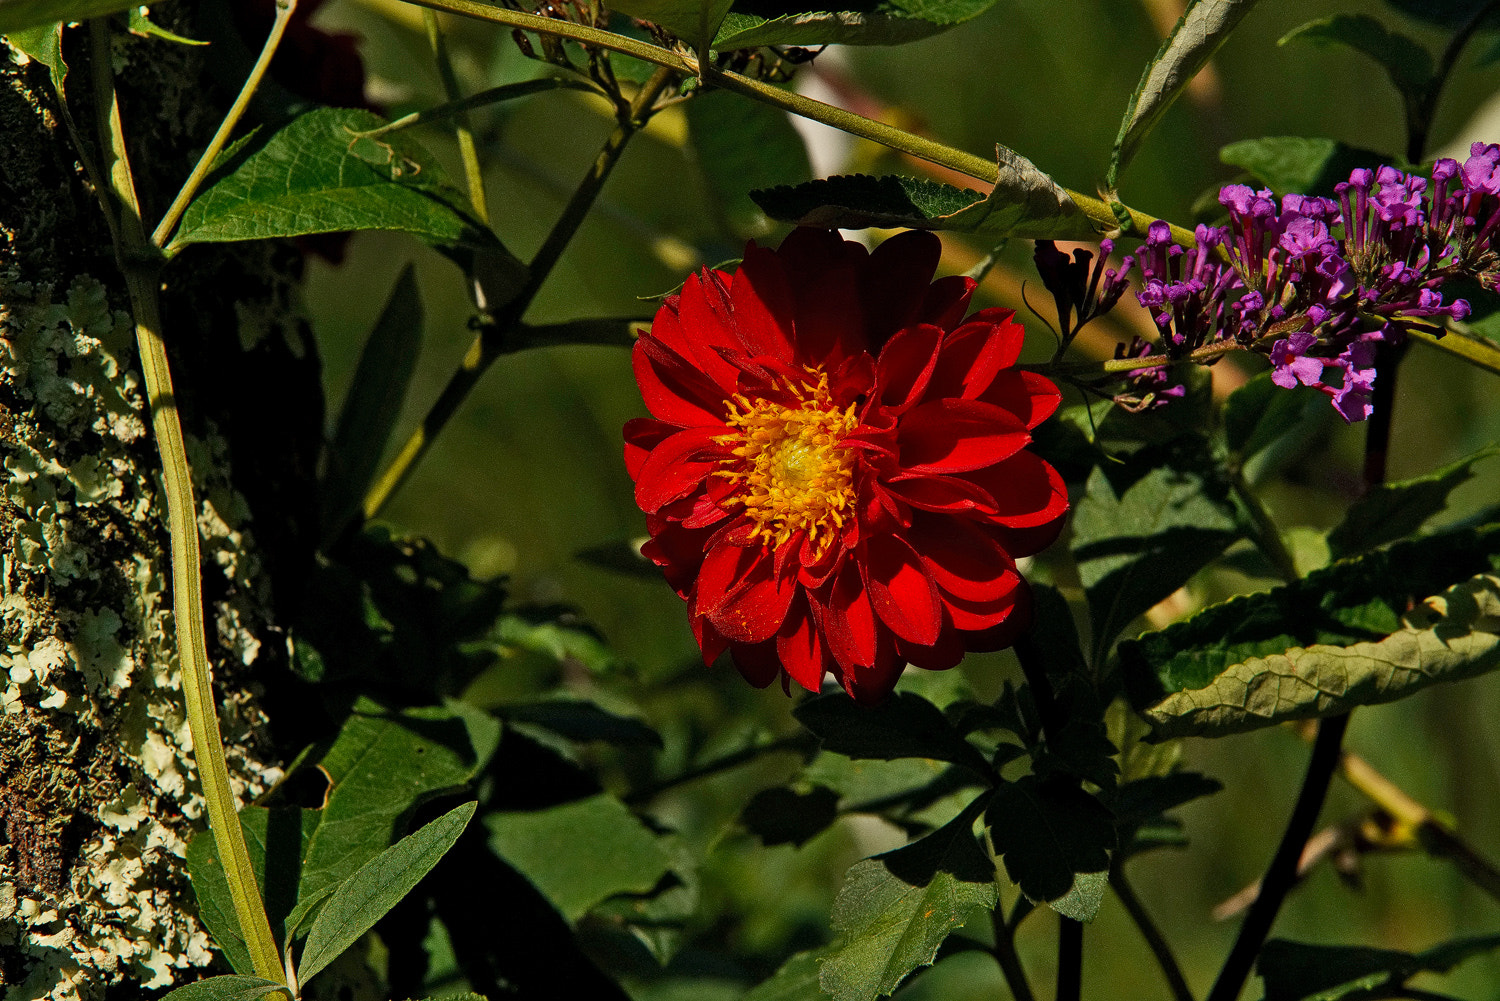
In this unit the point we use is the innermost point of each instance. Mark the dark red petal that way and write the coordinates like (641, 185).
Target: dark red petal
(870, 686)
(678, 551)
(800, 647)
(955, 436)
(710, 641)
(1026, 490)
(724, 567)
(676, 467)
(942, 655)
(1031, 396)
(675, 390)
(849, 620)
(901, 593)
(972, 356)
(906, 364)
(763, 305)
(757, 662)
(982, 616)
(895, 281)
(962, 560)
(756, 605)
(642, 434)
(1000, 636)
(947, 301)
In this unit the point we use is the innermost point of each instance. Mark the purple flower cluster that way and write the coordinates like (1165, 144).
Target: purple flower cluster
(1317, 283)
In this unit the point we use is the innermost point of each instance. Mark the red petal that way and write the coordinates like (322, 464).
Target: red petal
(763, 305)
(724, 567)
(902, 594)
(675, 390)
(962, 560)
(906, 364)
(801, 650)
(708, 326)
(1029, 395)
(1026, 490)
(944, 654)
(983, 616)
(870, 686)
(954, 436)
(849, 620)
(1002, 635)
(947, 301)
(642, 434)
(896, 279)
(676, 467)
(973, 355)
(756, 606)
(710, 641)
(757, 662)
(948, 494)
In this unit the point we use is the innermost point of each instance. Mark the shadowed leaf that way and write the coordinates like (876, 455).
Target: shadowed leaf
(1391, 511)
(1056, 840)
(886, 22)
(1297, 971)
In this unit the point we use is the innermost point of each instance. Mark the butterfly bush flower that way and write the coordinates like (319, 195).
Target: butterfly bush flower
(1317, 284)
(835, 473)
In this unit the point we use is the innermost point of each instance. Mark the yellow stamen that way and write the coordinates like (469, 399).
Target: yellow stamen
(791, 466)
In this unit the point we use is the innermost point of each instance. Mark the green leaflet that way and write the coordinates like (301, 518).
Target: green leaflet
(694, 21)
(318, 175)
(1025, 203)
(1298, 971)
(1056, 840)
(887, 22)
(1203, 27)
(226, 988)
(740, 145)
(904, 726)
(1392, 511)
(19, 15)
(1452, 636)
(1308, 165)
(894, 910)
(1406, 61)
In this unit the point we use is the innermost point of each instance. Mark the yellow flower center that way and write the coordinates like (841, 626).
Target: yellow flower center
(791, 466)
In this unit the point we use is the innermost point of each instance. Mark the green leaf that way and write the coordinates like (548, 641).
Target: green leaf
(1024, 203)
(895, 909)
(1392, 511)
(782, 816)
(1137, 541)
(377, 886)
(280, 834)
(741, 145)
(694, 21)
(1140, 808)
(1452, 636)
(796, 980)
(19, 15)
(1056, 840)
(1406, 61)
(886, 22)
(1203, 27)
(140, 24)
(581, 721)
(317, 175)
(1297, 971)
(227, 988)
(1260, 413)
(1443, 13)
(904, 726)
(386, 366)
(1356, 600)
(1307, 165)
(580, 853)
(44, 44)
(382, 766)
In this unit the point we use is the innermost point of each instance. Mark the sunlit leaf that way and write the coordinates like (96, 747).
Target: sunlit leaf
(694, 21)
(741, 145)
(1198, 34)
(44, 44)
(18, 15)
(796, 980)
(1307, 165)
(227, 988)
(140, 24)
(885, 22)
(894, 910)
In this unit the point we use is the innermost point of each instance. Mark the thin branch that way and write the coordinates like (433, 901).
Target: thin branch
(473, 174)
(1155, 941)
(799, 742)
(1007, 958)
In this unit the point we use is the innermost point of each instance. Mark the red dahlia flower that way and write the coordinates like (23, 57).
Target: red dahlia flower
(835, 474)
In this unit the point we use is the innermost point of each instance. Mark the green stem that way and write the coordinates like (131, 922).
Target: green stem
(1267, 536)
(1419, 115)
(1069, 959)
(163, 232)
(803, 743)
(1008, 960)
(977, 167)
(1153, 936)
(473, 175)
(1477, 351)
(187, 583)
(490, 343)
(494, 95)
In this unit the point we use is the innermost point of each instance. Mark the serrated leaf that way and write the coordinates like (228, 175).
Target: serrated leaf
(1056, 840)
(694, 21)
(317, 175)
(782, 816)
(232, 987)
(386, 365)
(1298, 971)
(796, 980)
(377, 886)
(887, 22)
(1198, 34)
(895, 909)
(140, 24)
(1307, 165)
(44, 44)
(19, 15)
(580, 853)
(1452, 636)
(1138, 542)
(904, 726)
(1391, 511)
(739, 146)
(1405, 61)
(1024, 203)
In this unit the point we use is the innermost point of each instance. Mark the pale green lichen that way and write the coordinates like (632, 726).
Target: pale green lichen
(98, 789)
